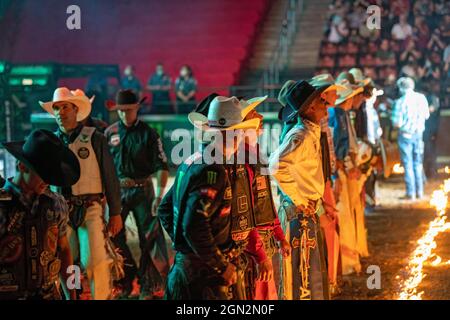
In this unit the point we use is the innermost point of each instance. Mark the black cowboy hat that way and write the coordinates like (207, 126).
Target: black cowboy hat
(297, 100)
(46, 155)
(203, 106)
(125, 100)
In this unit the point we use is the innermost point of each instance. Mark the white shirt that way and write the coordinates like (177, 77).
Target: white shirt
(400, 32)
(297, 164)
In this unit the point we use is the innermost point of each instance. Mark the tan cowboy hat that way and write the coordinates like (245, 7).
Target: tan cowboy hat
(227, 113)
(359, 77)
(77, 97)
(325, 82)
(347, 80)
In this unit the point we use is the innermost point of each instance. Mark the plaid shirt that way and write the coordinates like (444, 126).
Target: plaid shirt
(410, 112)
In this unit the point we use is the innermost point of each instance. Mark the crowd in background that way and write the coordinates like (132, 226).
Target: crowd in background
(160, 86)
(412, 41)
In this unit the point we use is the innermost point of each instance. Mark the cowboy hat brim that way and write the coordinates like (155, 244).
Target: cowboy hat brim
(200, 121)
(251, 104)
(65, 172)
(82, 102)
(112, 106)
(348, 93)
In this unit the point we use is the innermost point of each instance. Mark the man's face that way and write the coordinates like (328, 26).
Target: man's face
(318, 109)
(33, 182)
(65, 114)
(347, 104)
(159, 69)
(128, 117)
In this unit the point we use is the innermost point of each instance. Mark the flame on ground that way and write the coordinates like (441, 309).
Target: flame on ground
(398, 168)
(425, 246)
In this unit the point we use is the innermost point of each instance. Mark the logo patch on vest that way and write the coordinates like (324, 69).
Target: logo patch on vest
(115, 140)
(225, 211)
(261, 183)
(83, 153)
(212, 177)
(242, 204)
(84, 138)
(243, 222)
(262, 194)
(228, 194)
(208, 192)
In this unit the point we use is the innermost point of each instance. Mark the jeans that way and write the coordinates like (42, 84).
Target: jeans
(411, 153)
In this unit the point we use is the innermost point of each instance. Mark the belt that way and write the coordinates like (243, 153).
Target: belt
(135, 183)
(86, 199)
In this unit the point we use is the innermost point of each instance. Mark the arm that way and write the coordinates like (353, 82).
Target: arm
(110, 182)
(284, 158)
(196, 226)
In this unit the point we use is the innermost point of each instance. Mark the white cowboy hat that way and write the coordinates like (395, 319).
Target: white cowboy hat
(227, 113)
(77, 97)
(359, 76)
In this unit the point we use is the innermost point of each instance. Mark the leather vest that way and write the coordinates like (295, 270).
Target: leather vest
(243, 220)
(90, 181)
(29, 266)
(265, 212)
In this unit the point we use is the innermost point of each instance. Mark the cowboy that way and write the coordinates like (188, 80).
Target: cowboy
(205, 221)
(34, 248)
(87, 231)
(266, 220)
(348, 174)
(408, 116)
(138, 155)
(297, 167)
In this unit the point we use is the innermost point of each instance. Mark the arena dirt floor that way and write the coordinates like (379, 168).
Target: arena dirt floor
(393, 230)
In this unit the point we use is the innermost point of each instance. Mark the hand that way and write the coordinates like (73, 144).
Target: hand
(230, 274)
(115, 224)
(354, 173)
(285, 248)
(155, 205)
(265, 271)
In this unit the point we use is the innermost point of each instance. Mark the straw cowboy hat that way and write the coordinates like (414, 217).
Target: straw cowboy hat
(77, 97)
(46, 155)
(351, 88)
(227, 113)
(359, 76)
(125, 100)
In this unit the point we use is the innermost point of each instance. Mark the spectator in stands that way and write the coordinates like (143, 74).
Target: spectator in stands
(185, 89)
(329, 48)
(347, 60)
(436, 40)
(409, 52)
(385, 55)
(423, 8)
(432, 68)
(421, 33)
(338, 29)
(402, 30)
(356, 17)
(159, 84)
(326, 62)
(400, 7)
(129, 80)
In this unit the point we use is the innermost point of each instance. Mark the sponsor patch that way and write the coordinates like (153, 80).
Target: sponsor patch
(240, 236)
(262, 194)
(261, 183)
(243, 222)
(242, 204)
(211, 177)
(228, 194)
(114, 140)
(225, 211)
(84, 138)
(83, 153)
(208, 192)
